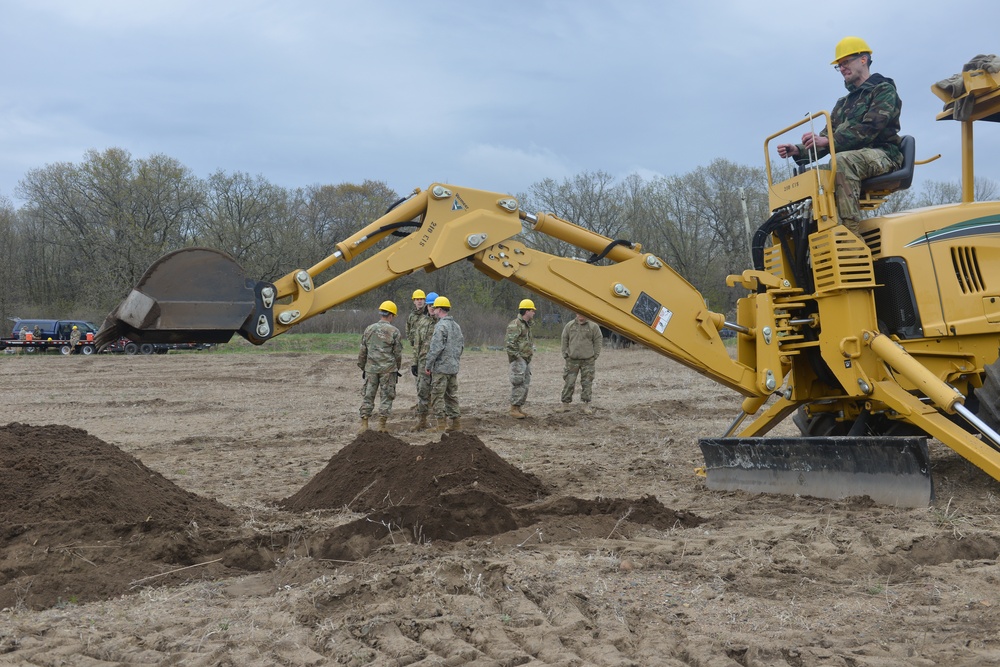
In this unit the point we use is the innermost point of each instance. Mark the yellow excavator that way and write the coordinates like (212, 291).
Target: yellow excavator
(870, 344)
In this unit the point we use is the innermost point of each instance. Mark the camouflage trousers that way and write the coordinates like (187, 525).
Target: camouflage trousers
(444, 395)
(423, 390)
(520, 380)
(585, 368)
(382, 385)
(852, 168)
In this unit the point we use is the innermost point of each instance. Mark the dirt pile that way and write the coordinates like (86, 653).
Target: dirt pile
(378, 471)
(451, 490)
(82, 520)
(58, 473)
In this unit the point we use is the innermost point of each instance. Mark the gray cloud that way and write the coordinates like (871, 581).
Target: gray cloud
(496, 96)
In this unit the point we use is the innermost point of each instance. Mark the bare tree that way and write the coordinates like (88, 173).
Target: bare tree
(935, 193)
(12, 294)
(696, 223)
(591, 199)
(110, 216)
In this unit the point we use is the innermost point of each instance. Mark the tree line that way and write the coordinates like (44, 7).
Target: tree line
(87, 231)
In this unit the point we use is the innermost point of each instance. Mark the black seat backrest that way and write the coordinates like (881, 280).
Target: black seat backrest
(899, 179)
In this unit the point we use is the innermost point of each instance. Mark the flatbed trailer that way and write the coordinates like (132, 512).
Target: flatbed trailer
(85, 347)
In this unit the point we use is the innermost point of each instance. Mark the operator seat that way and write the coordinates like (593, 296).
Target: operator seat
(895, 180)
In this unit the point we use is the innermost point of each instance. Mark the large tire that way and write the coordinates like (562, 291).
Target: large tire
(131, 348)
(87, 350)
(146, 348)
(825, 424)
(65, 350)
(820, 424)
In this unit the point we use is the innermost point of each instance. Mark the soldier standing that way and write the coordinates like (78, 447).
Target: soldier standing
(520, 347)
(581, 345)
(443, 357)
(423, 330)
(420, 304)
(379, 360)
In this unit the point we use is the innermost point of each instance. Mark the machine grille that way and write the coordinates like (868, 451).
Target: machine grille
(894, 299)
(873, 239)
(839, 260)
(966, 263)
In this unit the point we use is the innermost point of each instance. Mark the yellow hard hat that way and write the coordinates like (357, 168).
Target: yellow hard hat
(388, 306)
(418, 294)
(442, 302)
(74, 326)
(526, 304)
(850, 46)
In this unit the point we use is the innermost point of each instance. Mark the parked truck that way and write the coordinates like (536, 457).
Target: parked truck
(42, 335)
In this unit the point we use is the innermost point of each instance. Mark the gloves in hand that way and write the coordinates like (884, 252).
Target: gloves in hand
(413, 369)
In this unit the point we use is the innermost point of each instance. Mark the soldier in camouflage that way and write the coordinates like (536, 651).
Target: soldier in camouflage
(865, 129)
(420, 304)
(442, 361)
(581, 345)
(379, 359)
(423, 329)
(520, 347)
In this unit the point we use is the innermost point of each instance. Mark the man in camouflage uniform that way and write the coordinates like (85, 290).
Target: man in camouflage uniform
(379, 359)
(865, 130)
(442, 361)
(419, 310)
(74, 339)
(423, 329)
(581, 345)
(520, 347)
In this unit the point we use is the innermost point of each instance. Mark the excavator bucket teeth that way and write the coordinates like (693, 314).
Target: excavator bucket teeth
(194, 295)
(890, 470)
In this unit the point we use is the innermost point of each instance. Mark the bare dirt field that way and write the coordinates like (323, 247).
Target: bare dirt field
(214, 509)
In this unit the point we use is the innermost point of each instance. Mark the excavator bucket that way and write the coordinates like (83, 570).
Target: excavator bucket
(890, 470)
(194, 295)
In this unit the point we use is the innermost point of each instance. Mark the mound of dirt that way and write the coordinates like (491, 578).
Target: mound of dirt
(82, 520)
(452, 490)
(378, 471)
(58, 473)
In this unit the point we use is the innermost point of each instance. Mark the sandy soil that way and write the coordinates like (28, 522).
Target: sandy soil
(209, 509)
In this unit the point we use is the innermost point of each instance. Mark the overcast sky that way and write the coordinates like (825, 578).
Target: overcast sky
(492, 95)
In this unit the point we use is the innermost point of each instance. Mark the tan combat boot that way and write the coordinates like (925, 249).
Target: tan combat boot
(421, 423)
(516, 413)
(381, 428)
(442, 423)
(363, 426)
(587, 410)
(455, 425)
